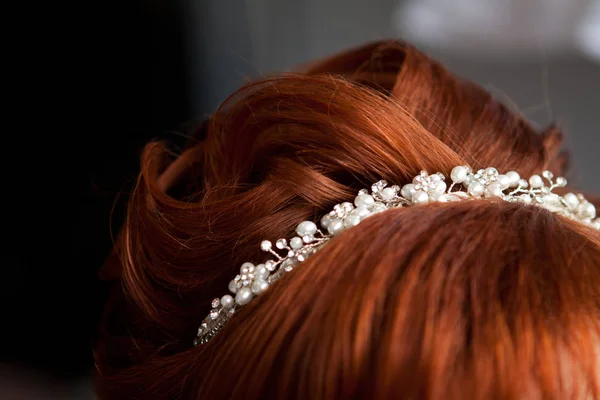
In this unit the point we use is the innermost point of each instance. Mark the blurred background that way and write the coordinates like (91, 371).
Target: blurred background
(155, 64)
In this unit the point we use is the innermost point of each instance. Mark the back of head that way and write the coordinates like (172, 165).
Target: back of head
(469, 300)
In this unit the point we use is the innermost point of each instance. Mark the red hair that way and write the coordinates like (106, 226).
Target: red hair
(474, 300)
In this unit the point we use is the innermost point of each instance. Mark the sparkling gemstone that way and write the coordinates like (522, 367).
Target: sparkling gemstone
(378, 207)
(215, 303)
(270, 265)
(377, 187)
(347, 207)
(214, 314)
(491, 171)
(246, 268)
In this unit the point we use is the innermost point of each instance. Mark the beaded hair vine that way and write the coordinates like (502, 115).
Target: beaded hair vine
(485, 183)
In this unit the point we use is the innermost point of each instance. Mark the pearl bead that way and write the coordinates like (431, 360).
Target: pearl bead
(388, 194)
(351, 220)
(468, 180)
(233, 286)
(571, 200)
(440, 188)
(420, 197)
(325, 221)
(586, 210)
(504, 181)
(364, 200)
(259, 286)
(445, 198)
(458, 174)
(243, 296)
(305, 228)
(227, 301)
(548, 175)
(525, 199)
(536, 181)
(493, 190)
(552, 199)
(476, 189)
(262, 272)
(296, 243)
(335, 227)
(265, 245)
(360, 211)
(408, 191)
(513, 178)
(308, 238)
(561, 182)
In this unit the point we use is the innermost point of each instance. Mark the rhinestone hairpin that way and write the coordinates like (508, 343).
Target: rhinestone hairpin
(485, 183)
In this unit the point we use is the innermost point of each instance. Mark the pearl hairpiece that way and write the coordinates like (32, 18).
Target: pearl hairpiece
(485, 183)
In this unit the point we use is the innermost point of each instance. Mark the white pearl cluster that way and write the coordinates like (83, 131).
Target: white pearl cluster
(424, 188)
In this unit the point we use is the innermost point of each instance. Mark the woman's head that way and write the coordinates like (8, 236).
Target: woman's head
(465, 300)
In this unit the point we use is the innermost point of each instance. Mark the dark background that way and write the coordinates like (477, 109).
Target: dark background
(136, 71)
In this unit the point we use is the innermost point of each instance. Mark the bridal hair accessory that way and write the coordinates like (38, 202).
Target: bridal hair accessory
(485, 183)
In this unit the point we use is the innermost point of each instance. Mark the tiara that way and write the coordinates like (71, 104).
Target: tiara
(485, 183)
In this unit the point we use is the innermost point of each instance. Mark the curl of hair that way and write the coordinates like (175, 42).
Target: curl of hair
(465, 300)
